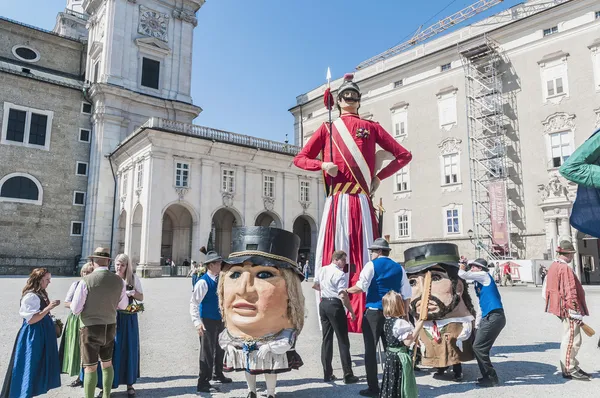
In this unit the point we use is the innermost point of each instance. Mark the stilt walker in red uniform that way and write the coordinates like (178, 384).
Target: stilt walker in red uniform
(349, 163)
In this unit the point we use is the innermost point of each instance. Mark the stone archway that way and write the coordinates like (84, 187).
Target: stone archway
(268, 219)
(306, 228)
(588, 250)
(121, 232)
(136, 234)
(223, 222)
(176, 241)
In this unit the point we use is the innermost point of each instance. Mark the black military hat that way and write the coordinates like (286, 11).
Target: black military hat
(419, 258)
(348, 84)
(272, 247)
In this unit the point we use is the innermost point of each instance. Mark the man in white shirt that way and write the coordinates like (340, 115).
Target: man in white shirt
(332, 282)
(378, 276)
(204, 310)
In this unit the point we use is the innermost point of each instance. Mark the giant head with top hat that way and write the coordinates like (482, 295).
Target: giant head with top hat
(259, 288)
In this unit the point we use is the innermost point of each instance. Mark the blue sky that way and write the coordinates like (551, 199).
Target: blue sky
(252, 58)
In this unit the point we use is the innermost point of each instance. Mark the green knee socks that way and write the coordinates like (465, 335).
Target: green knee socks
(89, 384)
(108, 374)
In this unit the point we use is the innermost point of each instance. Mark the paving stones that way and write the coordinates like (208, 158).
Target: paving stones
(526, 353)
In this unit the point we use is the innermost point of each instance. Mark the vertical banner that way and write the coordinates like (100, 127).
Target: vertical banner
(497, 194)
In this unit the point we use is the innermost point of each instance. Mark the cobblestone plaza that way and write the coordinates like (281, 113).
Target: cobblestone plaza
(526, 354)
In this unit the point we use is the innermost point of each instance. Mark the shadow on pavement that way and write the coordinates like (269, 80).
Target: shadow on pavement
(519, 349)
(142, 380)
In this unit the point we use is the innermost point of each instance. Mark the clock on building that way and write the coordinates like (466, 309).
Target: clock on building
(153, 23)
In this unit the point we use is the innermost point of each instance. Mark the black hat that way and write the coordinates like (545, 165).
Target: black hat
(211, 257)
(380, 244)
(266, 246)
(419, 258)
(480, 262)
(348, 84)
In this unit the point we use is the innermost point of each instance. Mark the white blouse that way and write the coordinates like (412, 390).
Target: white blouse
(71, 292)
(402, 329)
(137, 284)
(30, 305)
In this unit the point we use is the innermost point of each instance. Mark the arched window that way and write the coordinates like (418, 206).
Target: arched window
(21, 188)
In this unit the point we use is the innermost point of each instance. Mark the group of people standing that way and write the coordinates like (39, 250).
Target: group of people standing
(100, 342)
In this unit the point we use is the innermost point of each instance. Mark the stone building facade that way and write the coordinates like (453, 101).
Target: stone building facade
(98, 148)
(550, 78)
(44, 147)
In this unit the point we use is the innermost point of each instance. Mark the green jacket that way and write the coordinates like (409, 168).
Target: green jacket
(582, 166)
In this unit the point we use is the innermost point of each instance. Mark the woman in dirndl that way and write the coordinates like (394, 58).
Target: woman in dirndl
(398, 375)
(68, 351)
(34, 368)
(126, 358)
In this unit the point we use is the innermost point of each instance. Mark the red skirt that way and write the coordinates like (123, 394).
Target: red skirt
(350, 226)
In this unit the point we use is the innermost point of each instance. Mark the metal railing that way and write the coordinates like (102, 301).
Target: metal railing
(221, 136)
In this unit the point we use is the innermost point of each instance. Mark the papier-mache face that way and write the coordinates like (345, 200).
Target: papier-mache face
(449, 295)
(259, 300)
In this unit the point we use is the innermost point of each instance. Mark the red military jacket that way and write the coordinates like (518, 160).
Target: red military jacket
(367, 143)
(564, 291)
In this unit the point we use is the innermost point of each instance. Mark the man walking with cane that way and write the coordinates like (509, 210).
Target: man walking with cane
(565, 298)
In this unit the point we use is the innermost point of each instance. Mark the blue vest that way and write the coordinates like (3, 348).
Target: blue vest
(209, 307)
(489, 296)
(388, 276)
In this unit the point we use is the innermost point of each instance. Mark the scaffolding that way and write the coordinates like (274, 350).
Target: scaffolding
(487, 142)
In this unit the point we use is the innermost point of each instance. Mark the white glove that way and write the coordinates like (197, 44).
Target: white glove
(130, 293)
(263, 351)
(375, 184)
(576, 316)
(330, 168)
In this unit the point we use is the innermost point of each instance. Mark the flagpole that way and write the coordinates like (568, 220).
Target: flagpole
(329, 105)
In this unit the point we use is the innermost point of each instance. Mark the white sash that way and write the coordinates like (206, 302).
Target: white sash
(357, 155)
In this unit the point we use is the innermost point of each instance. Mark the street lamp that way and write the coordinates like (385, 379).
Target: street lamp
(470, 232)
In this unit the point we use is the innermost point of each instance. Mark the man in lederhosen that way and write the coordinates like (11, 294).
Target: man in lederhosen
(204, 309)
(96, 300)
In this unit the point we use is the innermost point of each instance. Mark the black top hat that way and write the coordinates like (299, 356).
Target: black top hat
(419, 258)
(480, 262)
(265, 246)
(380, 244)
(211, 257)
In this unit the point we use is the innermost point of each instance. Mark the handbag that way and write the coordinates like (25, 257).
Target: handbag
(58, 327)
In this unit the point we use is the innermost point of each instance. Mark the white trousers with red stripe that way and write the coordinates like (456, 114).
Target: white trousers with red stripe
(348, 224)
(570, 344)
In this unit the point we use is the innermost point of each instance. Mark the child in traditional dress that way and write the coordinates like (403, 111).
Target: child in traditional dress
(398, 375)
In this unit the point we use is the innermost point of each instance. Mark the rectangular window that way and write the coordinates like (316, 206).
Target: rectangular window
(150, 73)
(403, 225)
(555, 87)
(228, 181)
(182, 172)
(81, 169)
(16, 125)
(597, 15)
(96, 71)
(451, 169)
(560, 148)
(84, 135)
(550, 31)
(398, 83)
(446, 67)
(304, 191)
(402, 180)
(27, 127)
(140, 175)
(447, 110)
(125, 182)
(452, 221)
(268, 186)
(86, 108)
(400, 123)
(79, 198)
(76, 228)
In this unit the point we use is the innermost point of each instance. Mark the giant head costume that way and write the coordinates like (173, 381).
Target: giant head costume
(447, 332)
(261, 301)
